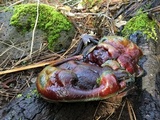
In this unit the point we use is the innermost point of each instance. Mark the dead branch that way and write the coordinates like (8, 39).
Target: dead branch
(42, 64)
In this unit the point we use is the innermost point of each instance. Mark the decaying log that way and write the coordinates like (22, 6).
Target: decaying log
(30, 106)
(149, 102)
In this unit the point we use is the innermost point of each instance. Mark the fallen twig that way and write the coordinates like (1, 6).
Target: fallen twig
(18, 2)
(131, 111)
(155, 9)
(34, 29)
(121, 110)
(36, 65)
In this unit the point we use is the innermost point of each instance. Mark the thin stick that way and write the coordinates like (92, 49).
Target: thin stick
(131, 111)
(97, 110)
(18, 2)
(36, 65)
(34, 29)
(121, 110)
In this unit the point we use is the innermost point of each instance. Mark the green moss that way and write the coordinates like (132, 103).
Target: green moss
(50, 21)
(19, 95)
(33, 93)
(141, 23)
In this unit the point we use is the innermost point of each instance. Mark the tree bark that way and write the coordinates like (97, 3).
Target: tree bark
(31, 107)
(149, 100)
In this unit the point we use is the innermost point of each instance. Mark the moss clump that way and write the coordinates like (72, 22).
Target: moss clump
(50, 21)
(33, 93)
(19, 95)
(141, 23)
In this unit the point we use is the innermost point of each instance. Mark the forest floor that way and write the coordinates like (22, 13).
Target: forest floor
(97, 18)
